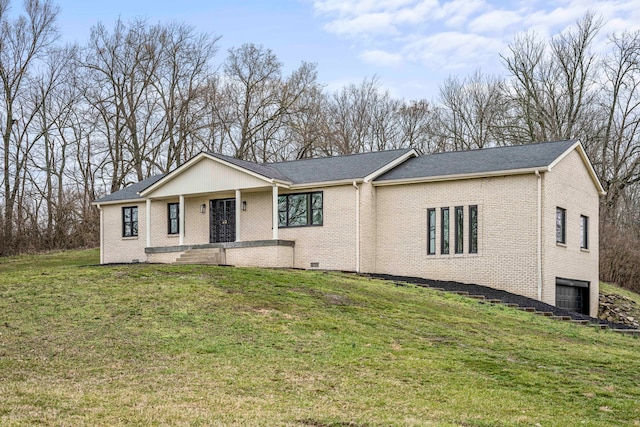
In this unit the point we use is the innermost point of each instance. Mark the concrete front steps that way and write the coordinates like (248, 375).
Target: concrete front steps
(210, 256)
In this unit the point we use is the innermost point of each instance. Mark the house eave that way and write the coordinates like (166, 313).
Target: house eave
(320, 184)
(117, 202)
(456, 177)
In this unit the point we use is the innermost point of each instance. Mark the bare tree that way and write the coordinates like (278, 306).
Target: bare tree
(23, 40)
(618, 159)
(180, 82)
(416, 122)
(306, 126)
(122, 66)
(253, 101)
(56, 95)
(473, 111)
(552, 85)
(350, 117)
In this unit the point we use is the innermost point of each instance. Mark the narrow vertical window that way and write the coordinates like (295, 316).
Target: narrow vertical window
(173, 218)
(459, 218)
(431, 226)
(561, 222)
(130, 221)
(444, 230)
(316, 208)
(473, 229)
(584, 232)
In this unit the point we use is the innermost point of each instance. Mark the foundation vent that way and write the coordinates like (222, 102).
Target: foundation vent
(315, 264)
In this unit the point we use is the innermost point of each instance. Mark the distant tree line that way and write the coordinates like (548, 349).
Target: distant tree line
(80, 121)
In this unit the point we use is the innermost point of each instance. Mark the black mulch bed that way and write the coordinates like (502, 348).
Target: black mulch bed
(504, 296)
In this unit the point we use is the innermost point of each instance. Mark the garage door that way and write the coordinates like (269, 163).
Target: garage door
(572, 295)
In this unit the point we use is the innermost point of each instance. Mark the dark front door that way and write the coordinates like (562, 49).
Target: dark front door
(222, 224)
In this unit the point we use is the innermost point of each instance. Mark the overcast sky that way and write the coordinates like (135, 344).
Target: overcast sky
(411, 45)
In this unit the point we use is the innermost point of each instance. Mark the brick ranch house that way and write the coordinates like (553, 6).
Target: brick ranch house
(522, 219)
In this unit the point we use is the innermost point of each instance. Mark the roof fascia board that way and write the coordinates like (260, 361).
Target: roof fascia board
(185, 166)
(456, 177)
(391, 165)
(583, 155)
(118, 202)
(325, 184)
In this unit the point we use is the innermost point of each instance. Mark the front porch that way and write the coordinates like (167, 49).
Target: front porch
(274, 253)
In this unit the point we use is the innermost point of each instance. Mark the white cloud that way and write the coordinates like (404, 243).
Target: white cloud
(456, 13)
(381, 58)
(416, 14)
(356, 7)
(495, 21)
(452, 50)
(462, 35)
(368, 24)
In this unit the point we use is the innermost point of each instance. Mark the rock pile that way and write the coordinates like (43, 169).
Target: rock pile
(619, 309)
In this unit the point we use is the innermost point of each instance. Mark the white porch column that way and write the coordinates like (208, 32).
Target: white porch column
(238, 211)
(181, 215)
(148, 223)
(274, 206)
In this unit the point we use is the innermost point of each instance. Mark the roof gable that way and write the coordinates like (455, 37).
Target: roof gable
(205, 174)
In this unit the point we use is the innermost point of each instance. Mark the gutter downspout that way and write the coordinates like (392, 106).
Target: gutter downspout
(539, 260)
(148, 223)
(355, 185)
(101, 234)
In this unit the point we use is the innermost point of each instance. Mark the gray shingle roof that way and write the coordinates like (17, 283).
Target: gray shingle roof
(130, 192)
(263, 169)
(321, 169)
(354, 166)
(358, 166)
(338, 168)
(528, 156)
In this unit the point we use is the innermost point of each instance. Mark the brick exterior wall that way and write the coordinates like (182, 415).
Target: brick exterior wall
(331, 245)
(116, 248)
(256, 222)
(368, 227)
(507, 237)
(569, 186)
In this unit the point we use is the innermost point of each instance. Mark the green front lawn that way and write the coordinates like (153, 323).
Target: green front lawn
(86, 345)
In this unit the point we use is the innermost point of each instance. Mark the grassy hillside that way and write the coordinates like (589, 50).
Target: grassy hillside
(192, 345)
(608, 288)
